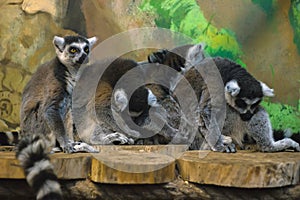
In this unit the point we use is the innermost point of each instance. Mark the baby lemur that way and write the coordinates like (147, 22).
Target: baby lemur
(46, 113)
(242, 93)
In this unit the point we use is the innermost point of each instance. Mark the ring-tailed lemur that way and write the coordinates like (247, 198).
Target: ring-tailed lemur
(118, 115)
(46, 113)
(243, 94)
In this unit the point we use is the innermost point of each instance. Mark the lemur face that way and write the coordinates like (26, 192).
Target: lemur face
(242, 91)
(245, 106)
(73, 50)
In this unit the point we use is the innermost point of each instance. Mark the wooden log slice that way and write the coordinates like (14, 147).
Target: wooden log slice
(132, 167)
(242, 169)
(66, 166)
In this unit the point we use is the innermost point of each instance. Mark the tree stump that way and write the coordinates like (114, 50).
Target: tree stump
(130, 167)
(242, 169)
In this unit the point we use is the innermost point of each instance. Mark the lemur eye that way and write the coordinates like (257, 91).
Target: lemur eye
(73, 50)
(86, 49)
(241, 103)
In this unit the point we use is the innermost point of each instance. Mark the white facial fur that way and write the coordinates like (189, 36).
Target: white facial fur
(233, 88)
(194, 56)
(120, 100)
(92, 41)
(69, 59)
(152, 100)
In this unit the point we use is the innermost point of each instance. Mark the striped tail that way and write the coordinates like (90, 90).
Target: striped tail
(33, 156)
(279, 135)
(9, 137)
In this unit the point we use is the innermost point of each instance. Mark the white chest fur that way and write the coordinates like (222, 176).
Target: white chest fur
(71, 78)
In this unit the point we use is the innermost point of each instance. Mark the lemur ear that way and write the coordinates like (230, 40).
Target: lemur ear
(92, 41)
(152, 100)
(232, 88)
(121, 100)
(268, 92)
(59, 42)
(195, 55)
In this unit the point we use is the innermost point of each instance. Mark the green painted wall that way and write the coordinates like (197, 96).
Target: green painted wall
(188, 17)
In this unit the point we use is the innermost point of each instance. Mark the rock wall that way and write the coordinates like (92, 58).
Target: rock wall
(26, 30)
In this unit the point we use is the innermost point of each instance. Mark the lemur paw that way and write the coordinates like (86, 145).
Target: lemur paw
(68, 148)
(75, 147)
(117, 138)
(297, 147)
(55, 150)
(230, 148)
(84, 147)
(226, 139)
(226, 148)
(292, 144)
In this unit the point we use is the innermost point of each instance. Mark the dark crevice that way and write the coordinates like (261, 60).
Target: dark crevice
(74, 19)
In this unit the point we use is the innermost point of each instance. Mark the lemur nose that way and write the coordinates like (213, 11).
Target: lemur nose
(83, 58)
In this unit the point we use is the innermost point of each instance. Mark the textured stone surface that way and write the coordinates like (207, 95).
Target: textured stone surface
(26, 42)
(241, 169)
(56, 8)
(27, 30)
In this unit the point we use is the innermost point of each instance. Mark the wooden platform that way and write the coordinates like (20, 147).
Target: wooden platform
(157, 164)
(242, 169)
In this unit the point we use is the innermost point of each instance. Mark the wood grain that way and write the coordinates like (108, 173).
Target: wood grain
(242, 169)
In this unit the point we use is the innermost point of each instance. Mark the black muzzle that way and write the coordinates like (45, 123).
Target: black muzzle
(83, 59)
(247, 116)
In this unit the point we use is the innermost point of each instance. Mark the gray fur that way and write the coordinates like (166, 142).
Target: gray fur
(243, 94)
(258, 127)
(100, 120)
(46, 114)
(47, 98)
(118, 113)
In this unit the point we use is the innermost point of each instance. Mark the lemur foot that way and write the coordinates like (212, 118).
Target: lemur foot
(226, 139)
(75, 147)
(84, 147)
(117, 138)
(296, 146)
(229, 146)
(226, 148)
(55, 150)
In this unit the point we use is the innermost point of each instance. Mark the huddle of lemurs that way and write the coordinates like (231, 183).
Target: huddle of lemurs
(148, 114)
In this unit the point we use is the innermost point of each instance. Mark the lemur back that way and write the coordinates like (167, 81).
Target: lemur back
(243, 94)
(121, 111)
(46, 114)
(106, 104)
